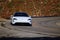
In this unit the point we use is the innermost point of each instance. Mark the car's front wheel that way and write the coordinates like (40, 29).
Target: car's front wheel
(30, 24)
(12, 24)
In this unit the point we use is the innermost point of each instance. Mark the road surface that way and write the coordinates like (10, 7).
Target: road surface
(41, 27)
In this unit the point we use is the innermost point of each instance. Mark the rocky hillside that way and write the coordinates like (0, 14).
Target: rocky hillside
(32, 7)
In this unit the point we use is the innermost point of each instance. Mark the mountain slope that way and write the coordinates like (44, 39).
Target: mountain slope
(32, 7)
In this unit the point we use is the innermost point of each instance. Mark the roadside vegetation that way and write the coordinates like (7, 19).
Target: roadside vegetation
(33, 7)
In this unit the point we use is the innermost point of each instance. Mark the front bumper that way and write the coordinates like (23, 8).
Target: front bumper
(14, 22)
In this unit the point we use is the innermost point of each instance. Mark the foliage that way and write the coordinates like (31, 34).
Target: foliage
(33, 7)
(10, 4)
(2, 0)
(1, 8)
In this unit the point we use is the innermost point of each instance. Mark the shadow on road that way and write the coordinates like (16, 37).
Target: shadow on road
(35, 38)
(21, 24)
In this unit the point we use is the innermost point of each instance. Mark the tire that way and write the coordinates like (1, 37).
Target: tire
(12, 24)
(30, 24)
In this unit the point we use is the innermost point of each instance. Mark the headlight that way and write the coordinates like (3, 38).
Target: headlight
(14, 19)
(29, 19)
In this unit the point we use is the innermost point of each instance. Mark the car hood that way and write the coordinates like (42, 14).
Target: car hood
(22, 17)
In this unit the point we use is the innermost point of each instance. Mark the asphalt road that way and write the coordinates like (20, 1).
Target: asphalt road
(46, 26)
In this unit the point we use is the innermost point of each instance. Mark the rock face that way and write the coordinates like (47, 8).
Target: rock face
(32, 7)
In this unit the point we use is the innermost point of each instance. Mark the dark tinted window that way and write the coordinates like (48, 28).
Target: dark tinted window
(21, 14)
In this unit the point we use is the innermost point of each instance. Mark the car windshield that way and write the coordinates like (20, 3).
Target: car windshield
(21, 14)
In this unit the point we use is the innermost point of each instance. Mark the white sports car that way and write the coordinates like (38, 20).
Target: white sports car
(21, 17)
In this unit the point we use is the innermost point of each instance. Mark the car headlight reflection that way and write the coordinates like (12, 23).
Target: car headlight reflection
(29, 19)
(14, 19)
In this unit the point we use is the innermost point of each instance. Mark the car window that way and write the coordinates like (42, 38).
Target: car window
(21, 14)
